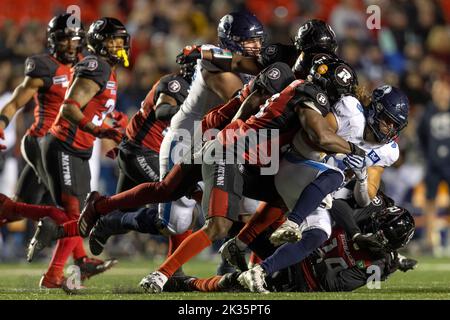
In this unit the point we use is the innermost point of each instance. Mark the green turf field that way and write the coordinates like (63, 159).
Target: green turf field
(431, 280)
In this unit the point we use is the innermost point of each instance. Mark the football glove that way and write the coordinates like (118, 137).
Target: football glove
(189, 54)
(107, 133)
(357, 164)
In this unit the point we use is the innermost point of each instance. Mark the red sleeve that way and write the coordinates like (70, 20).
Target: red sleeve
(221, 115)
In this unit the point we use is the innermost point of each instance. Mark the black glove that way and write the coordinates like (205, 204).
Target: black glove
(405, 264)
(189, 54)
(368, 241)
(356, 150)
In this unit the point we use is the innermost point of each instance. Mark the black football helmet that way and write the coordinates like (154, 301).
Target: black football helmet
(63, 27)
(334, 75)
(388, 104)
(315, 36)
(236, 27)
(107, 28)
(394, 226)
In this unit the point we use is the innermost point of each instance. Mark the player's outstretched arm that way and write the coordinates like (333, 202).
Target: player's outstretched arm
(21, 95)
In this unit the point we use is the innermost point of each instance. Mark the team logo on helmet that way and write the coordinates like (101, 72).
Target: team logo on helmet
(343, 76)
(98, 24)
(174, 86)
(274, 74)
(271, 50)
(302, 30)
(377, 201)
(30, 65)
(321, 99)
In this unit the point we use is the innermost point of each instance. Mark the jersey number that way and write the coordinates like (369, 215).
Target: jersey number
(110, 105)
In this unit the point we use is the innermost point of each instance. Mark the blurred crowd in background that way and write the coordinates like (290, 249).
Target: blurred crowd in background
(411, 50)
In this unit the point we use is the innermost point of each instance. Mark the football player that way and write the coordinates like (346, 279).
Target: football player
(338, 265)
(47, 78)
(374, 132)
(90, 97)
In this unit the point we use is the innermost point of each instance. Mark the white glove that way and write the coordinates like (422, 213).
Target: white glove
(358, 165)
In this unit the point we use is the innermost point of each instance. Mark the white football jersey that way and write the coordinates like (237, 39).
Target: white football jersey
(351, 122)
(199, 100)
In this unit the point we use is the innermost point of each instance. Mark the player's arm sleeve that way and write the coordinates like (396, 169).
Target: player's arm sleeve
(166, 107)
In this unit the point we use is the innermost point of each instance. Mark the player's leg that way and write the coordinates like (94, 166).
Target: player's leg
(316, 230)
(303, 185)
(144, 220)
(172, 187)
(222, 208)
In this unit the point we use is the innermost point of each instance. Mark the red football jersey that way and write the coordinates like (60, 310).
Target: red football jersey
(48, 99)
(144, 129)
(98, 70)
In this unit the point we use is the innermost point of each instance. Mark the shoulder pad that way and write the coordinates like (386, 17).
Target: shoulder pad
(278, 52)
(174, 86)
(274, 78)
(348, 106)
(308, 91)
(95, 69)
(41, 66)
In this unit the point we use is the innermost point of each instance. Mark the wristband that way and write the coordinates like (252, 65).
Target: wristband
(222, 58)
(83, 122)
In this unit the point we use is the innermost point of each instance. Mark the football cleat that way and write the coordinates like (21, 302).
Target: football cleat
(229, 283)
(47, 231)
(98, 237)
(289, 231)
(179, 284)
(254, 280)
(154, 282)
(48, 282)
(90, 267)
(89, 215)
(233, 251)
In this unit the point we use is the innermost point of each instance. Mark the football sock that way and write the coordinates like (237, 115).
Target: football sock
(78, 251)
(64, 248)
(71, 229)
(292, 253)
(254, 259)
(264, 216)
(189, 248)
(206, 285)
(36, 212)
(176, 239)
(312, 196)
(145, 193)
